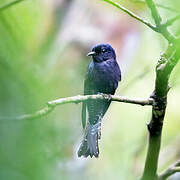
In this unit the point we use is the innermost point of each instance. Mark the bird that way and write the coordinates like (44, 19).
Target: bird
(102, 77)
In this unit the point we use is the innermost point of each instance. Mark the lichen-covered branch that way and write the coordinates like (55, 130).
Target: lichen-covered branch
(170, 171)
(77, 99)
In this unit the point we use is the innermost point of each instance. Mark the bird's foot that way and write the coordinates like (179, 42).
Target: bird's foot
(106, 96)
(109, 97)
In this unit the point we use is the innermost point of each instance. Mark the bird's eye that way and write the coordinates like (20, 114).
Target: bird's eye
(103, 50)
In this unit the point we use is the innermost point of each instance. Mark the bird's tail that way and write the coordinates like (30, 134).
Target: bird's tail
(89, 145)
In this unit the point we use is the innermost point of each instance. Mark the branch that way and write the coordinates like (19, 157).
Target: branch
(158, 5)
(157, 18)
(9, 4)
(170, 171)
(164, 67)
(77, 99)
(155, 14)
(160, 28)
(171, 21)
(131, 14)
(167, 8)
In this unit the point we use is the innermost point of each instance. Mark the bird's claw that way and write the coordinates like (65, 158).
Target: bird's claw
(109, 97)
(106, 96)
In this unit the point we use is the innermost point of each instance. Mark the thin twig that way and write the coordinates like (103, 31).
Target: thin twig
(160, 28)
(170, 171)
(9, 4)
(158, 5)
(77, 99)
(155, 14)
(157, 18)
(169, 22)
(167, 8)
(131, 14)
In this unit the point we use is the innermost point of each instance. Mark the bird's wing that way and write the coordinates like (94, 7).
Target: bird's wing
(87, 91)
(83, 114)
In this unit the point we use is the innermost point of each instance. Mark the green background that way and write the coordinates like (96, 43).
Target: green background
(43, 47)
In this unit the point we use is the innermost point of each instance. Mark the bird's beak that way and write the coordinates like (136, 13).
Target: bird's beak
(91, 53)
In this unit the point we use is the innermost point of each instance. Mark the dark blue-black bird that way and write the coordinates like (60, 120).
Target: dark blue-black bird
(103, 75)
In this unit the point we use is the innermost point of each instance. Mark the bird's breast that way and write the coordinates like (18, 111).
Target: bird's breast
(104, 71)
(104, 77)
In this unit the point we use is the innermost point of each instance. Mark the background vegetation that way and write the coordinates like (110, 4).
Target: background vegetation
(43, 47)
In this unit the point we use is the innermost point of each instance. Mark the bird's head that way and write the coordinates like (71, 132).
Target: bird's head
(102, 52)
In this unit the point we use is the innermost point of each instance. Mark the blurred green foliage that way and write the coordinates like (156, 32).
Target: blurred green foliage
(46, 148)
